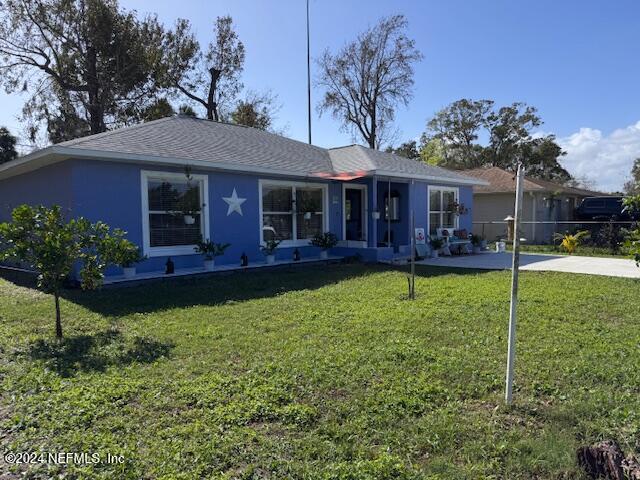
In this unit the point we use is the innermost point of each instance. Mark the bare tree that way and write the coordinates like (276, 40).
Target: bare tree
(212, 79)
(366, 80)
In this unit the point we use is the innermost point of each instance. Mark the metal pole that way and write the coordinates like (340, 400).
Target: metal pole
(511, 351)
(412, 293)
(308, 76)
(389, 213)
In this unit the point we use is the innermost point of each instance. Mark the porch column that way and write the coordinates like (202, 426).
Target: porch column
(374, 204)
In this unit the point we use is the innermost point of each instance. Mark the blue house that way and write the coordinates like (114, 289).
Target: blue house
(170, 182)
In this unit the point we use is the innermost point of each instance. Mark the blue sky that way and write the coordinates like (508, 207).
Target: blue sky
(577, 61)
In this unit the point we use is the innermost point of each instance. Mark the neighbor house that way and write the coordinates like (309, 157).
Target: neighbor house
(170, 182)
(543, 201)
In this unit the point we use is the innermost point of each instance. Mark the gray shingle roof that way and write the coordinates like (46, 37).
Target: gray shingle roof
(356, 157)
(182, 139)
(189, 138)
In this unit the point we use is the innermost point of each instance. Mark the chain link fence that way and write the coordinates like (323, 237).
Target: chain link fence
(602, 234)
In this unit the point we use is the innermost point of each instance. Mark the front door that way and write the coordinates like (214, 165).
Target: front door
(354, 199)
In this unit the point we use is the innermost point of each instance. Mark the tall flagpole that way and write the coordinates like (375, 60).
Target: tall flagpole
(308, 76)
(511, 349)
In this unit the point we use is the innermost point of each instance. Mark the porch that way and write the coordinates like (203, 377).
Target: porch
(376, 216)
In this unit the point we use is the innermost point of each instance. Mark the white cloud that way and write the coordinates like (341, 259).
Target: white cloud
(604, 159)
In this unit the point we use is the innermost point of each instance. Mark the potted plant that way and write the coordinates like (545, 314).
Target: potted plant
(436, 245)
(308, 206)
(189, 202)
(127, 255)
(476, 242)
(325, 241)
(210, 251)
(269, 249)
(459, 208)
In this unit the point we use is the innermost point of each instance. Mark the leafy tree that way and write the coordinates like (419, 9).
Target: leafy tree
(632, 187)
(187, 111)
(366, 80)
(457, 128)
(211, 79)
(432, 151)
(509, 131)
(407, 149)
(161, 108)
(256, 110)
(541, 160)
(41, 237)
(7, 146)
(87, 63)
(63, 123)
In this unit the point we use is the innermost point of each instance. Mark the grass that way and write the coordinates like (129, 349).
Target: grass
(322, 373)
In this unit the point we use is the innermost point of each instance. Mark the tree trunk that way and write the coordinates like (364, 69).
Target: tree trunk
(212, 106)
(606, 460)
(95, 108)
(372, 138)
(58, 322)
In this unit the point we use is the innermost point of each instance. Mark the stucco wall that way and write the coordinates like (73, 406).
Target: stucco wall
(47, 186)
(538, 207)
(111, 192)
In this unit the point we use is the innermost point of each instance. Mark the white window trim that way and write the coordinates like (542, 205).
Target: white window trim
(365, 209)
(441, 188)
(284, 183)
(147, 249)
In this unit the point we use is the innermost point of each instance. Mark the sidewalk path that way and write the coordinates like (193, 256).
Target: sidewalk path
(613, 267)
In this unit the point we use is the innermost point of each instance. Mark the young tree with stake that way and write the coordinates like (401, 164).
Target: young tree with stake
(42, 238)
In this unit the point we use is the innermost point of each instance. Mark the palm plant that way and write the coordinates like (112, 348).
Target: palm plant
(570, 242)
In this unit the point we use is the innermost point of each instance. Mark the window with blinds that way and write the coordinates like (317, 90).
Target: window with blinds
(175, 211)
(292, 213)
(442, 208)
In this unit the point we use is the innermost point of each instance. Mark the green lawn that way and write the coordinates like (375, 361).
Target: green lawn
(323, 373)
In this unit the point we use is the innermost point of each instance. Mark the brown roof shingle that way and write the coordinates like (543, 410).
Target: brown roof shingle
(503, 181)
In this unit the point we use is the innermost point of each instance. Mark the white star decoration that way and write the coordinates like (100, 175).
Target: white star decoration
(234, 202)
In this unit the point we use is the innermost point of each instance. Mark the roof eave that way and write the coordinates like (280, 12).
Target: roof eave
(53, 154)
(432, 178)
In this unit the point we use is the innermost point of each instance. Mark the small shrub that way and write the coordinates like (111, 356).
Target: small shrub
(436, 243)
(270, 246)
(569, 241)
(324, 240)
(210, 249)
(126, 254)
(632, 241)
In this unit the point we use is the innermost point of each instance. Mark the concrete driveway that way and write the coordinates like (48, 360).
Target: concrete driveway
(613, 267)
